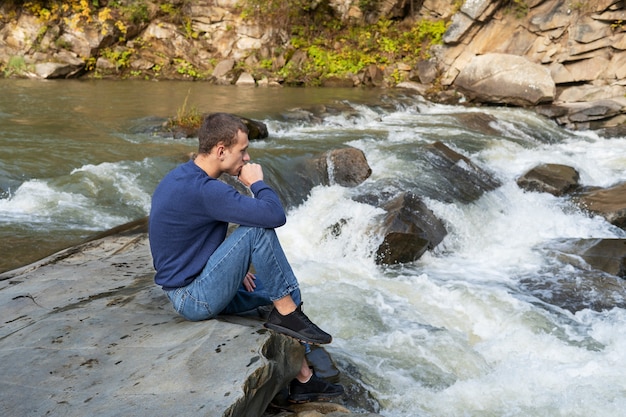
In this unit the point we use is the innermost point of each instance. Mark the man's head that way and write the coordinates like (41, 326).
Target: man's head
(219, 127)
(223, 145)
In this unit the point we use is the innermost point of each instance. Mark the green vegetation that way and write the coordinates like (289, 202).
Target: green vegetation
(118, 57)
(188, 119)
(15, 66)
(324, 45)
(518, 7)
(187, 69)
(356, 47)
(353, 47)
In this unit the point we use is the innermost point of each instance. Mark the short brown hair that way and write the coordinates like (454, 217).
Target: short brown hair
(219, 127)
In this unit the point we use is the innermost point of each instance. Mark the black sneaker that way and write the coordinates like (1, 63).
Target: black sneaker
(316, 389)
(297, 325)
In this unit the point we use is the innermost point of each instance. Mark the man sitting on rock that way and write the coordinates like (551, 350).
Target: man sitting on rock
(203, 272)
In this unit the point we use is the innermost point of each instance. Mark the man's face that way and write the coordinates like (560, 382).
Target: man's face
(237, 155)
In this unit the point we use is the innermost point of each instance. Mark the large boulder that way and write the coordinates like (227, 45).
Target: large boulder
(347, 167)
(506, 79)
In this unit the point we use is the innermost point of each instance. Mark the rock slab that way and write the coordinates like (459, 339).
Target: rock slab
(86, 332)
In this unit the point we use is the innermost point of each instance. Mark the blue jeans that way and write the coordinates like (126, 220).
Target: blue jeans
(219, 287)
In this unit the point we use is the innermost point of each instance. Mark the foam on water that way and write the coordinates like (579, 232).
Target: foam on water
(88, 198)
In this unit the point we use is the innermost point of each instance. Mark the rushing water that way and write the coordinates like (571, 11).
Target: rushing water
(454, 334)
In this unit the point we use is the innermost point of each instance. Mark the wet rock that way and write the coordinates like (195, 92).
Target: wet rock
(590, 274)
(466, 181)
(478, 122)
(594, 114)
(613, 132)
(607, 255)
(609, 203)
(347, 167)
(575, 291)
(256, 129)
(555, 179)
(410, 228)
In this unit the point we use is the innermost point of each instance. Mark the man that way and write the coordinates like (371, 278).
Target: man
(203, 272)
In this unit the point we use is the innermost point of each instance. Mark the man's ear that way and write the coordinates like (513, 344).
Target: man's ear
(219, 151)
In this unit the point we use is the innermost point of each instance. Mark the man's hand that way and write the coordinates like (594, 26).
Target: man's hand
(250, 173)
(248, 282)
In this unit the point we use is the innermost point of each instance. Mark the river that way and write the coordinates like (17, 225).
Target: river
(455, 333)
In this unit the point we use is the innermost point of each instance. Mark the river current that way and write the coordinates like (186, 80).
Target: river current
(452, 334)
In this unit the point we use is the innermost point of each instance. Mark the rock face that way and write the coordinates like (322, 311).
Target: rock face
(97, 337)
(581, 46)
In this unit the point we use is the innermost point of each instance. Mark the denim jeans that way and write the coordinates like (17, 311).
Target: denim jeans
(219, 287)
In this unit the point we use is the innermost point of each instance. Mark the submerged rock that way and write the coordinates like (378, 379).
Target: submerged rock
(589, 273)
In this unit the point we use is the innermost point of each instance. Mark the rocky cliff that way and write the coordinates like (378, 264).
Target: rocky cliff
(563, 57)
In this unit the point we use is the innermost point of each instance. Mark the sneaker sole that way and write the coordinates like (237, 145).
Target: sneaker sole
(295, 335)
(302, 400)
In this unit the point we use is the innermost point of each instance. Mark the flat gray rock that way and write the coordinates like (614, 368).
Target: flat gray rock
(86, 332)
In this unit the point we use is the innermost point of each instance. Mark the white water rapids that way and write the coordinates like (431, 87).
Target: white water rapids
(452, 334)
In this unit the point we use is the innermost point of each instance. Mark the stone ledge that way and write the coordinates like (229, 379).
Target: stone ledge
(86, 332)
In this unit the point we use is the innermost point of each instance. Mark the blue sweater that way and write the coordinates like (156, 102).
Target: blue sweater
(189, 219)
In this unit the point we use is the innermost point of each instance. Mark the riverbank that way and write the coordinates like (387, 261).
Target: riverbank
(564, 60)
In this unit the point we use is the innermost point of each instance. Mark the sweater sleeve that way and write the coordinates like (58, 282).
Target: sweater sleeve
(226, 204)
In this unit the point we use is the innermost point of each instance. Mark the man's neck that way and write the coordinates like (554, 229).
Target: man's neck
(209, 164)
